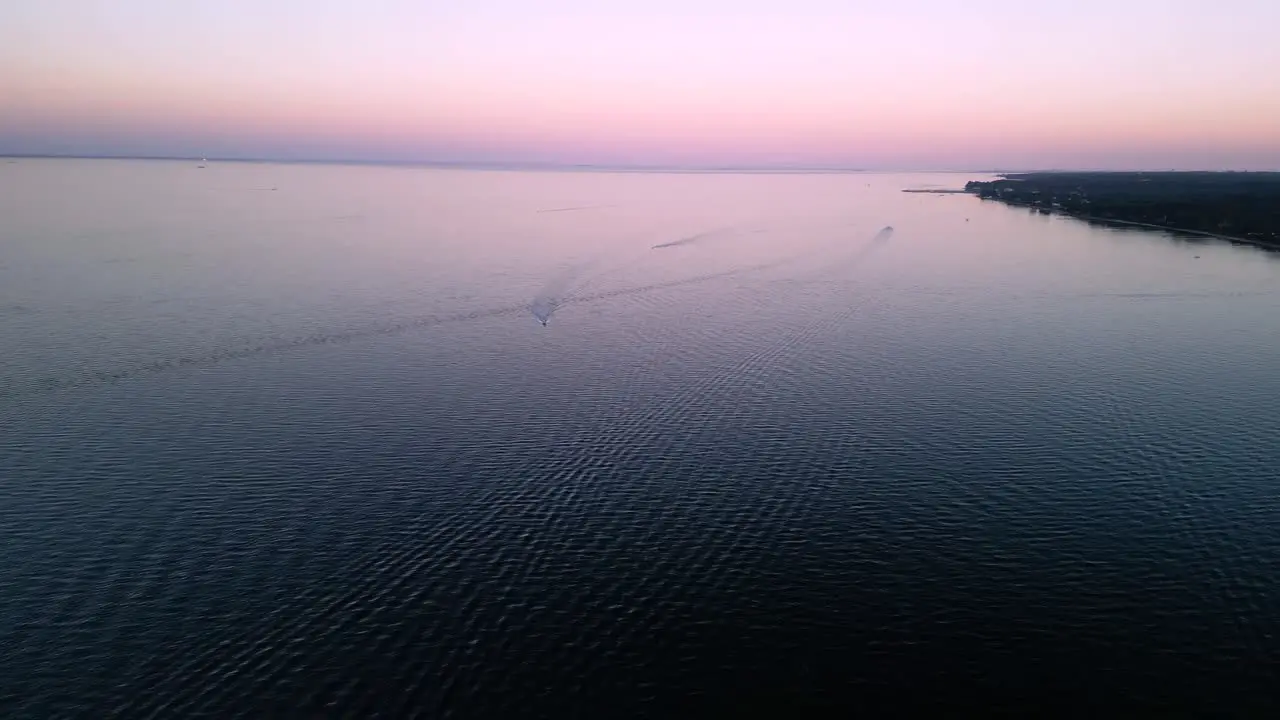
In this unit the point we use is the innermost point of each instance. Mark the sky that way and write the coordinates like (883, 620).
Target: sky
(907, 84)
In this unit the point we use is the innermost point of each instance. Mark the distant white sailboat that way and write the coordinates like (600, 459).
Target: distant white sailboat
(202, 162)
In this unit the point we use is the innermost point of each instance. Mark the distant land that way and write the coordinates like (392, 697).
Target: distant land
(518, 165)
(1237, 206)
(532, 166)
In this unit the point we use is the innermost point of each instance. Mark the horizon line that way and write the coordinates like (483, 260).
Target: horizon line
(548, 166)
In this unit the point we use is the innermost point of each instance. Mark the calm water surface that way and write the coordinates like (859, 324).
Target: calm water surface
(289, 441)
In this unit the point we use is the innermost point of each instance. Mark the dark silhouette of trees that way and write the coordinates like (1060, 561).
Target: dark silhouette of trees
(1244, 205)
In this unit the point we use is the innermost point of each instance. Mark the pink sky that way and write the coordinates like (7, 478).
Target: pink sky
(910, 84)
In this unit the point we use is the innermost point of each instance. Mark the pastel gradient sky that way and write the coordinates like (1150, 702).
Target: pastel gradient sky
(938, 84)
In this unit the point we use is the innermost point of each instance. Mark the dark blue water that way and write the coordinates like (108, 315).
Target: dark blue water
(307, 452)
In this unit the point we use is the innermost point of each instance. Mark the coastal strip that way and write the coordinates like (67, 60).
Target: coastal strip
(1240, 207)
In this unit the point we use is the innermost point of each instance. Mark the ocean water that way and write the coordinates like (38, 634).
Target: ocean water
(291, 441)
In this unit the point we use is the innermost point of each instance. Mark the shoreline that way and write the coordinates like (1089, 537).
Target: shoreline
(1234, 207)
(1185, 231)
(1134, 223)
(1235, 239)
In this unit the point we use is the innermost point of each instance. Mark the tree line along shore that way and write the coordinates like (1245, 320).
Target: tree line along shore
(1239, 206)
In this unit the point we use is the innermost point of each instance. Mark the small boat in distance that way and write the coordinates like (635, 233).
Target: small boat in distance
(202, 162)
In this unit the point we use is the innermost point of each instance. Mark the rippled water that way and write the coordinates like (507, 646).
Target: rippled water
(290, 441)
